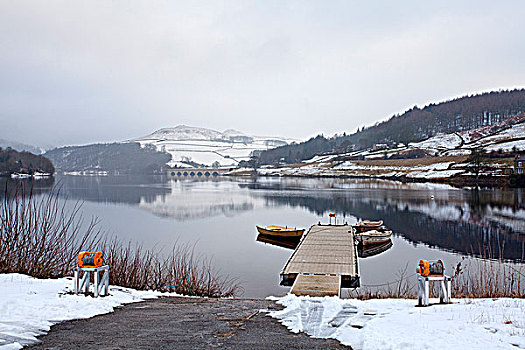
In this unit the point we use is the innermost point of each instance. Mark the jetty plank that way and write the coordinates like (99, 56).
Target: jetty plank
(317, 285)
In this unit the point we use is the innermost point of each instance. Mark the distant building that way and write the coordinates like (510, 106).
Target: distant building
(519, 164)
(379, 146)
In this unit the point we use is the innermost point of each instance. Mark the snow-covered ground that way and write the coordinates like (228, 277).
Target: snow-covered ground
(352, 168)
(438, 143)
(398, 324)
(30, 306)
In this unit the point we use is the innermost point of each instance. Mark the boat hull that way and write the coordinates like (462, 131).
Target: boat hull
(373, 237)
(368, 225)
(282, 232)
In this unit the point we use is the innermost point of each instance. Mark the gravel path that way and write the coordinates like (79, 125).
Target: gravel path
(182, 323)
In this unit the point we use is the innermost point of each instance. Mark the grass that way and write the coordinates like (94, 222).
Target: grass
(41, 236)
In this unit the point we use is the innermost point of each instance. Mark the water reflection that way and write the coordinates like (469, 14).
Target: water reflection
(439, 216)
(363, 251)
(367, 251)
(283, 242)
(35, 186)
(191, 200)
(183, 200)
(128, 189)
(463, 221)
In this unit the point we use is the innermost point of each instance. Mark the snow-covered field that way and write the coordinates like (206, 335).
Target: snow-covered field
(398, 324)
(30, 306)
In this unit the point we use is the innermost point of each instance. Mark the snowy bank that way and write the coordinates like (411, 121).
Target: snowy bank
(398, 324)
(30, 306)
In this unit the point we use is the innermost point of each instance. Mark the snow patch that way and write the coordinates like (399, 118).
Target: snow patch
(398, 324)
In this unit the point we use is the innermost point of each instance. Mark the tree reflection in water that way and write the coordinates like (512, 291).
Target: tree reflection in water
(471, 222)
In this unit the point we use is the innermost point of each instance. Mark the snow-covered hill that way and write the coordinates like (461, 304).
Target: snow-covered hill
(439, 157)
(506, 136)
(204, 147)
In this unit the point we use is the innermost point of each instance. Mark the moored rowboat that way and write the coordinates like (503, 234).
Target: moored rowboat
(373, 237)
(281, 231)
(367, 225)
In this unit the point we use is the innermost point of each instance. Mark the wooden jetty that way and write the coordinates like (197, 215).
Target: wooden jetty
(324, 262)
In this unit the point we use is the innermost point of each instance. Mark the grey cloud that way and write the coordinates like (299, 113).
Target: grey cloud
(74, 72)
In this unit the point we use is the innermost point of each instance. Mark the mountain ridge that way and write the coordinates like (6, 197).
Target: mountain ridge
(184, 132)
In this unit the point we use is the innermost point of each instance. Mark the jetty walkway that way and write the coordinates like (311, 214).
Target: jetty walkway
(324, 262)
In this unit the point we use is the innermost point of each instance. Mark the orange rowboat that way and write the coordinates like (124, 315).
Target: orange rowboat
(281, 231)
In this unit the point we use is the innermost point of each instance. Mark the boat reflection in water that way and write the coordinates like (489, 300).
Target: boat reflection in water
(366, 251)
(284, 242)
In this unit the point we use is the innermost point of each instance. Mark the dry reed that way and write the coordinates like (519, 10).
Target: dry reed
(472, 277)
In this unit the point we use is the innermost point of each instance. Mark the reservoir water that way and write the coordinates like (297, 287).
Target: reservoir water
(218, 216)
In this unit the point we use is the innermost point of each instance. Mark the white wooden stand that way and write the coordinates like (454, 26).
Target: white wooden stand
(100, 285)
(423, 290)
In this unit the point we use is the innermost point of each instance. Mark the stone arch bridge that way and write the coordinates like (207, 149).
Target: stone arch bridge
(198, 172)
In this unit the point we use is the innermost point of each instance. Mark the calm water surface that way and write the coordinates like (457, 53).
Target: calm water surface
(219, 217)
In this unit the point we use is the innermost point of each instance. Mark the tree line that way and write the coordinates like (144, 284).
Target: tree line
(123, 158)
(12, 161)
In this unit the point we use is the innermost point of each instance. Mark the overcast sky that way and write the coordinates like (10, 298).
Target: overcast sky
(76, 72)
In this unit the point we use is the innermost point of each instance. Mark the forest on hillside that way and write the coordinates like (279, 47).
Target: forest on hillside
(122, 158)
(415, 124)
(12, 161)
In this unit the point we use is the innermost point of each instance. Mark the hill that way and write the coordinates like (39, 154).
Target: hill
(15, 162)
(487, 152)
(181, 146)
(487, 110)
(119, 158)
(192, 146)
(464, 113)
